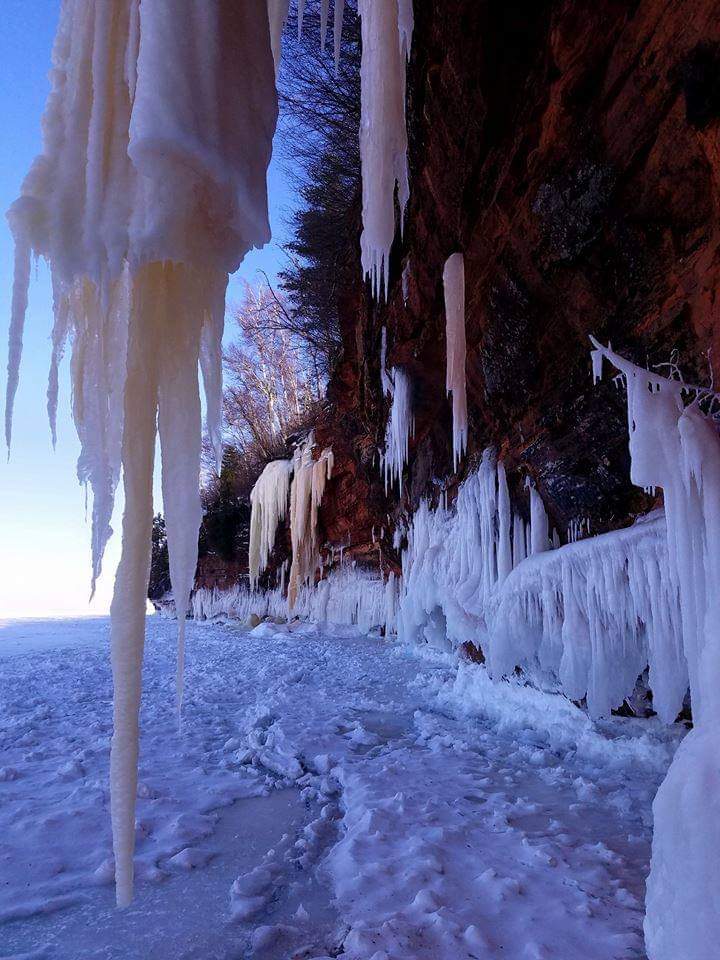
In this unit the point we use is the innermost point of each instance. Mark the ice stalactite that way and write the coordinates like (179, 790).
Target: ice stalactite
(539, 527)
(338, 14)
(676, 446)
(400, 427)
(386, 38)
(149, 191)
(277, 13)
(456, 560)
(269, 504)
(454, 288)
(306, 493)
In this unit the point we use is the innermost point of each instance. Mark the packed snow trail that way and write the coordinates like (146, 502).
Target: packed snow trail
(331, 796)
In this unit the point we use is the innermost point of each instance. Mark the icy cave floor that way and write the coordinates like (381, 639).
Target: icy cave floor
(331, 795)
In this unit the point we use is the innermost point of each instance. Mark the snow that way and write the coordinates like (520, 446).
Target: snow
(400, 426)
(675, 445)
(454, 289)
(331, 795)
(386, 37)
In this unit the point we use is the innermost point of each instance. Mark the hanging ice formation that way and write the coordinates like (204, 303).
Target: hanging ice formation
(387, 27)
(400, 425)
(454, 288)
(269, 503)
(306, 493)
(149, 191)
(674, 445)
(456, 560)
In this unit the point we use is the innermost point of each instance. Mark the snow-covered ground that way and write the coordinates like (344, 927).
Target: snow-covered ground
(331, 795)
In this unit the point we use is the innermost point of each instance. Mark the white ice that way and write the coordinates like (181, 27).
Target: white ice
(454, 289)
(149, 191)
(386, 37)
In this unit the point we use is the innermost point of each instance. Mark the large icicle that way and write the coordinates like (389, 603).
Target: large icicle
(306, 495)
(386, 41)
(269, 505)
(454, 288)
(150, 190)
(673, 445)
(130, 596)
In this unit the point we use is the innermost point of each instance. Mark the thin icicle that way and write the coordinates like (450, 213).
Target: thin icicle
(400, 427)
(179, 426)
(337, 32)
(21, 284)
(406, 25)
(278, 14)
(454, 288)
(504, 516)
(324, 16)
(300, 17)
(61, 322)
(130, 596)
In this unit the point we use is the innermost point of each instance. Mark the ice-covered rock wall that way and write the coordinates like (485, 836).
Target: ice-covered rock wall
(584, 619)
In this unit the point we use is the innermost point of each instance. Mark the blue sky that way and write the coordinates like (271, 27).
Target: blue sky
(44, 538)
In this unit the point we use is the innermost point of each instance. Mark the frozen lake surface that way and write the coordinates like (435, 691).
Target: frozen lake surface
(331, 795)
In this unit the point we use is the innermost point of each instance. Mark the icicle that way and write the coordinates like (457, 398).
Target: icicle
(405, 282)
(151, 188)
(324, 14)
(300, 16)
(519, 542)
(406, 25)
(385, 379)
(454, 287)
(539, 535)
(59, 339)
(504, 514)
(383, 133)
(269, 504)
(400, 427)
(278, 14)
(306, 493)
(337, 31)
(130, 596)
(21, 283)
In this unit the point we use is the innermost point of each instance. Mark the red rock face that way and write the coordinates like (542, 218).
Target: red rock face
(571, 150)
